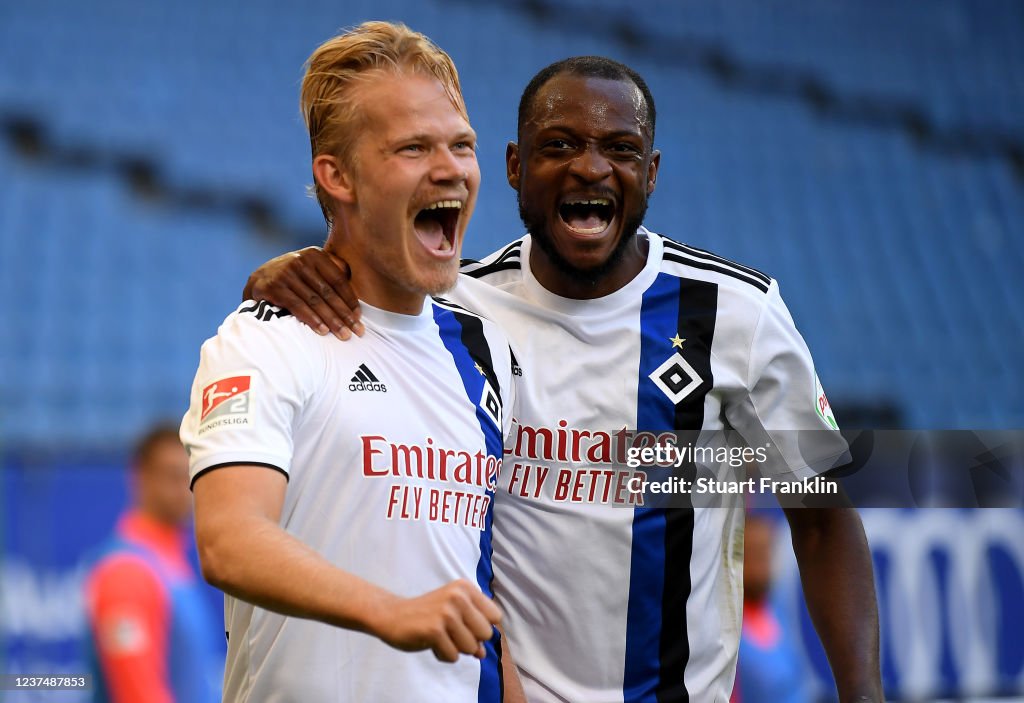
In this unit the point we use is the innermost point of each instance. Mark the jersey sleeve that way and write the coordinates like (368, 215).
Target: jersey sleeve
(254, 379)
(129, 617)
(785, 405)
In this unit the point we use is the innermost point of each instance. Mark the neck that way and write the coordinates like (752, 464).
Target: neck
(557, 276)
(368, 284)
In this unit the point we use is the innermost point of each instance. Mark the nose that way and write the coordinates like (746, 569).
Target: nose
(590, 165)
(446, 167)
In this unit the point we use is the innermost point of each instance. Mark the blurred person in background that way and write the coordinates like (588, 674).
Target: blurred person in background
(769, 669)
(151, 634)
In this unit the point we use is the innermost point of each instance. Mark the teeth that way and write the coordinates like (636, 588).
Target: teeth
(591, 230)
(445, 244)
(445, 204)
(596, 201)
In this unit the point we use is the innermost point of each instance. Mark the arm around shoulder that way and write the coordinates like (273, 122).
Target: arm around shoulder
(314, 285)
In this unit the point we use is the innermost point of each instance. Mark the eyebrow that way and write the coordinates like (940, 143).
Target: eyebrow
(424, 137)
(626, 133)
(617, 134)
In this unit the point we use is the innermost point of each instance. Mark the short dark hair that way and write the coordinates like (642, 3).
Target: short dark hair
(154, 436)
(586, 67)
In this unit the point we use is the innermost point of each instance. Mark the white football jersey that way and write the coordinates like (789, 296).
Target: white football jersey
(607, 600)
(391, 444)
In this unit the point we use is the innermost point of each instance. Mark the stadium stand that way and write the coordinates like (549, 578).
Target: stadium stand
(863, 153)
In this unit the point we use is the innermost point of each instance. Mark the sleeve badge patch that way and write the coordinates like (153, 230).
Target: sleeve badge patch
(226, 401)
(822, 407)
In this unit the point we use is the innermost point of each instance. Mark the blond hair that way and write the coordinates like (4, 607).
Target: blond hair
(329, 107)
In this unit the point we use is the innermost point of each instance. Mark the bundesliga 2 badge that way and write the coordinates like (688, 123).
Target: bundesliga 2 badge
(226, 402)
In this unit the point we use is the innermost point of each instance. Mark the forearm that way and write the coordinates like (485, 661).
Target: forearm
(256, 560)
(836, 572)
(244, 551)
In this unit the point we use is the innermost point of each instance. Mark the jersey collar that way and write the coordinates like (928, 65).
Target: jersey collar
(624, 296)
(376, 317)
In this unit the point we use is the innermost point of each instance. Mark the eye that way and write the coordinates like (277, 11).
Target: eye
(557, 144)
(624, 148)
(411, 148)
(463, 147)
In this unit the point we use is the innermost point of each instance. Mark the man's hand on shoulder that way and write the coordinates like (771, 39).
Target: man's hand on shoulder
(314, 286)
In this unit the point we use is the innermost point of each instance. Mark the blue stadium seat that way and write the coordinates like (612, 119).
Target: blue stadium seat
(900, 263)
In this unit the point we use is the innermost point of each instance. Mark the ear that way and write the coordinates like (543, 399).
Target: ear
(652, 171)
(334, 178)
(512, 165)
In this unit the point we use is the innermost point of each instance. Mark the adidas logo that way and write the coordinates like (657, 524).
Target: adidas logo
(364, 380)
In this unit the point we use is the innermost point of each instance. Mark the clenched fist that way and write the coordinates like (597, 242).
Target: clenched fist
(456, 618)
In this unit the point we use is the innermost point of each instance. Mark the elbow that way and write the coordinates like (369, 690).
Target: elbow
(211, 563)
(217, 560)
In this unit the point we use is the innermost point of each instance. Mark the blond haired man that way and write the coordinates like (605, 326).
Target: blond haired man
(343, 493)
